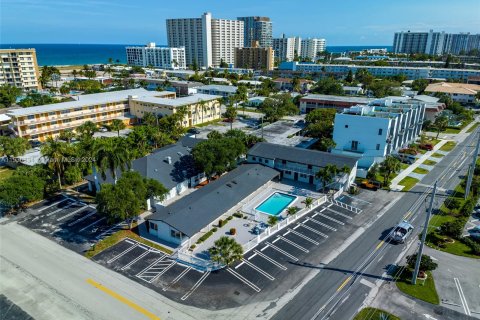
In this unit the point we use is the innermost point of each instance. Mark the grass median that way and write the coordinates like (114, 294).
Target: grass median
(429, 162)
(374, 314)
(448, 146)
(408, 183)
(423, 290)
(472, 128)
(420, 170)
(438, 155)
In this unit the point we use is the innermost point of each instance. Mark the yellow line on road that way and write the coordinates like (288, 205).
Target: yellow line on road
(123, 299)
(379, 245)
(344, 283)
(408, 215)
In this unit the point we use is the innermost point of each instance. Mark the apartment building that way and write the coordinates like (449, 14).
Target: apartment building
(218, 90)
(311, 47)
(41, 122)
(371, 132)
(254, 57)
(257, 29)
(19, 68)
(319, 101)
(286, 48)
(459, 92)
(199, 108)
(207, 41)
(157, 57)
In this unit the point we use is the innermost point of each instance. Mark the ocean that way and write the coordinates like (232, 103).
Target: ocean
(80, 54)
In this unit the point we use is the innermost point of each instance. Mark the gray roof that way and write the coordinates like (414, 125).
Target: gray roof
(184, 101)
(299, 155)
(193, 212)
(336, 98)
(155, 165)
(218, 87)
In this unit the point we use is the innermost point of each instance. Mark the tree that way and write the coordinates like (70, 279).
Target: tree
(223, 64)
(365, 77)
(389, 166)
(195, 65)
(112, 154)
(308, 202)
(373, 171)
(272, 220)
(55, 152)
(296, 84)
(8, 95)
(226, 251)
(453, 229)
(231, 115)
(349, 77)
(64, 89)
(278, 106)
(160, 139)
(36, 99)
(440, 124)
(384, 87)
(117, 125)
(419, 85)
(214, 134)
(90, 74)
(88, 128)
(20, 189)
(326, 175)
(67, 135)
(328, 86)
(13, 147)
(426, 262)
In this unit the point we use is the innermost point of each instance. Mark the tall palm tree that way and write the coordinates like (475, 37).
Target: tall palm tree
(203, 106)
(226, 251)
(387, 167)
(117, 125)
(87, 128)
(161, 139)
(67, 135)
(86, 148)
(74, 73)
(112, 154)
(55, 151)
(326, 175)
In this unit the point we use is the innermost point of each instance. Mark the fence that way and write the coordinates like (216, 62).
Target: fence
(345, 206)
(197, 263)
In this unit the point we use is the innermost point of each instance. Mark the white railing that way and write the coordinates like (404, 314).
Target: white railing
(345, 206)
(196, 262)
(282, 224)
(337, 194)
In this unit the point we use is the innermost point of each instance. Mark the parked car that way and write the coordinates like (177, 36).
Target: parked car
(401, 232)
(426, 146)
(406, 158)
(475, 232)
(371, 184)
(193, 131)
(103, 129)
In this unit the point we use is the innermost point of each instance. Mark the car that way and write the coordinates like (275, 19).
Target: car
(371, 184)
(426, 146)
(405, 158)
(103, 129)
(194, 131)
(401, 232)
(475, 232)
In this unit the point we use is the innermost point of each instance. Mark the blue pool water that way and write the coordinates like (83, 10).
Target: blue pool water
(276, 203)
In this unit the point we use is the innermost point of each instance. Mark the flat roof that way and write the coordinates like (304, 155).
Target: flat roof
(219, 87)
(193, 212)
(452, 87)
(336, 98)
(183, 101)
(87, 100)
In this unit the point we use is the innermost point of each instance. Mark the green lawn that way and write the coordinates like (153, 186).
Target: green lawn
(5, 173)
(452, 130)
(433, 141)
(472, 128)
(437, 155)
(216, 121)
(448, 146)
(408, 183)
(374, 314)
(423, 291)
(420, 171)
(429, 162)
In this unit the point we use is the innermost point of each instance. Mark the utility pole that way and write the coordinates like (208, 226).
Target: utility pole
(472, 169)
(424, 236)
(262, 127)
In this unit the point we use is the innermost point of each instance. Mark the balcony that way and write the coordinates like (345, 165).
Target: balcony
(293, 168)
(356, 150)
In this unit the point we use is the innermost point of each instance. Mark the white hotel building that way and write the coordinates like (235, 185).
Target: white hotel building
(371, 132)
(311, 47)
(158, 57)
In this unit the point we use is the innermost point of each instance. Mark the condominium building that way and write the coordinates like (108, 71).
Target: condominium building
(207, 41)
(257, 29)
(458, 92)
(157, 57)
(254, 57)
(286, 48)
(41, 122)
(371, 132)
(311, 47)
(19, 68)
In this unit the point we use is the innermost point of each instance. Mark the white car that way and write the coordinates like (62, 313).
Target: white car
(401, 232)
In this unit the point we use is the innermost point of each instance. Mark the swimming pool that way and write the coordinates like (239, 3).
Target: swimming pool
(276, 203)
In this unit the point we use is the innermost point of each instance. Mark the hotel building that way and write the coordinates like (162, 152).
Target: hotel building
(19, 68)
(311, 47)
(257, 29)
(254, 57)
(158, 57)
(285, 48)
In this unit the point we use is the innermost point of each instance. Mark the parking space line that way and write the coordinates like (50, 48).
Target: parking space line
(128, 240)
(151, 265)
(70, 214)
(340, 214)
(293, 244)
(261, 271)
(321, 223)
(60, 209)
(135, 260)
(270, 260)
(313, 230)
(163, 271)
(82, 218)
(195, 286)
(106, 231)
(241, 278)
(239, 265)
(463, 299)
(53, 204)
(121, 254)
(264, 248)
(180, 276)
(282, 251)
(92, 224)
(329, 218)
(251, 257)
(304, 237)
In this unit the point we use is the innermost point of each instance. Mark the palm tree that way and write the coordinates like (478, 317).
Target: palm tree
(112, 154)
(55, 151)
(387, 167)
(161, 139)
(74, 73)
(308, 202)
(226, 251)
(326, 175)
(203, 106)
(110, 60)
(87, 128)
(231, 115)
(67, 135)
(86, 148)
(117, 125)
(441, 123)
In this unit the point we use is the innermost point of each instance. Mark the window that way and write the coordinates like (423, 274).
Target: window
(266, 160)
(378, 146)
(346, 126)
(284, 161)
(288, 172)
(309, 166)
(354, 145)
(175, 234)
(153, 226)
(254, 158)
(380, 131)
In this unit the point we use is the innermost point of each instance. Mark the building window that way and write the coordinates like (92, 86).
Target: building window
(380, 131)
(284, 161)
(266, 160)
(254, 158)
(153, 226)
(378, 146)
(346, 126)
(175, 234)
(354, 145)
(288, 172)
(309, 166)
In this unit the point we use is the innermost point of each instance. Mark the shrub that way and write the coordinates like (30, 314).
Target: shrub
(452, 203)
(426, 263)
(292, 210)
(453, 229)
(272, 220)
(238, 215)
(205, 237)
(435, 239)
(229, 218)
(221, 223)
(214, 229)
(233, 231)
(468, 207)
(193, 246)
(474, 245)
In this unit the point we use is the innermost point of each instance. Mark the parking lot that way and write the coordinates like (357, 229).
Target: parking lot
(69, 221)
(268, 270)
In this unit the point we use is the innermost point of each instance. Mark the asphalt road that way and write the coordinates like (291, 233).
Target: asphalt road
(340, 289)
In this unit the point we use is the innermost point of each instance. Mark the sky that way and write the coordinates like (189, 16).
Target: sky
(344, 22)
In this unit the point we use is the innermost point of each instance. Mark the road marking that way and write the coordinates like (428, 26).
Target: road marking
(53, 204)
(151, 265)
(180, 276)
(263, 249)
(344, 283)
(272, 261)
(195, 286)
(60, 209)
(282, 251)
(92, 224)
(106, 231)
(409, 213)
(70, 214)
(293, 244)
(340, 214)
(82, 218)
(379, 245)
(266, 274)
(321, 223)
(163, 271)
(313, 230)
(367, 283)
(329, 218)
(463, 299)
(121, 254)
(304, 237)
(135, 260)
(239, 265)
(122, 299)
(251, 257)
(243, 279)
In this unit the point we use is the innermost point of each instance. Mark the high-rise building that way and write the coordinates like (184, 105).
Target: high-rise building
(158, 57)
(311, 47)
(286, 48)
(410, 42)
(254, 57)
(207, 41)
(257, 29)
(19, 68)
